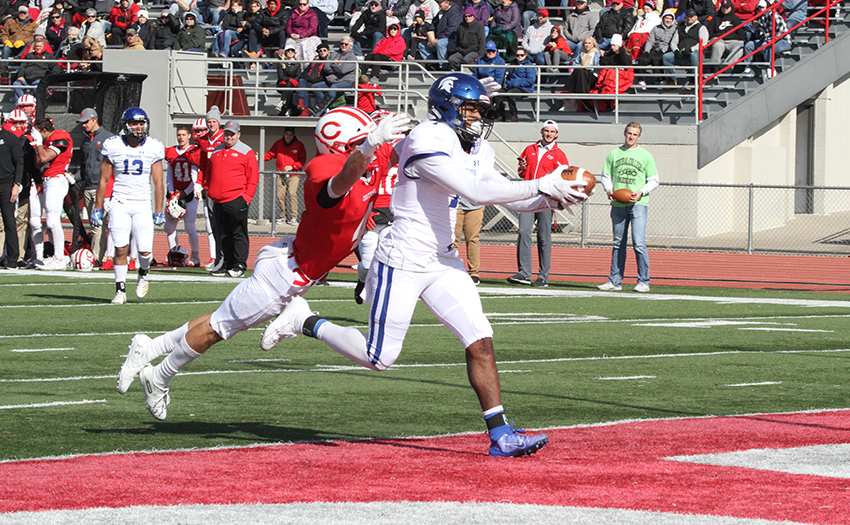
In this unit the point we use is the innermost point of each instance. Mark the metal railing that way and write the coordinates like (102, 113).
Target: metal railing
(743, 218)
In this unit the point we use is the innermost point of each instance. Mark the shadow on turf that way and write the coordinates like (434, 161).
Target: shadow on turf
(231, 431)
(81, 298)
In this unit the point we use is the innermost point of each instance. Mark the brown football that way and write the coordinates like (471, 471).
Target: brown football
(576, 173)
(623, 195)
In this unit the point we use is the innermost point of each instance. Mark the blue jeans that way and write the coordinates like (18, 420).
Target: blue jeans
(781, 46)
(669, 59)
(320, 95)
(361, 39)
(20, 92)
(795, 12)
(438, 52)
(223, 40)
(621, 216)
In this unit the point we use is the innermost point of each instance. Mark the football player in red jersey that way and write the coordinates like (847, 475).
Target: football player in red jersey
(337, 202)
(183, 161)
(53, 156)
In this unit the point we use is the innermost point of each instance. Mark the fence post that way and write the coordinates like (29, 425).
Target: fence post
(584, 226)
(750, 216)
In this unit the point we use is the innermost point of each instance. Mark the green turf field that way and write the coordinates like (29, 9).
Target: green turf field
(568, 355)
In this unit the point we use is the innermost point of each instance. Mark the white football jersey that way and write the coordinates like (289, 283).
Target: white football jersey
(131, 167)
(424, 203)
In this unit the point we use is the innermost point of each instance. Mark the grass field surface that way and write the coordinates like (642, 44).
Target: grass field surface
(567, 355)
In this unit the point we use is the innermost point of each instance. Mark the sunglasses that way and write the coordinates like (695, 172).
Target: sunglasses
(345, 44)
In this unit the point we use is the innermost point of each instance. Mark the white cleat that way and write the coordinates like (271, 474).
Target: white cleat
(134, 363)
(642, 287)
(142, 287)
(610, 287)
(120, 298)
(156, 399)
(52, 263)
(288, 324)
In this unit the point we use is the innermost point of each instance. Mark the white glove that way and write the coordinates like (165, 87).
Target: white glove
(561, 190)
(37, 139)
(388, 130)
(491, 86)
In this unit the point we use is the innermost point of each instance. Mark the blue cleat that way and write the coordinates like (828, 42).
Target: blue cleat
(514, 444)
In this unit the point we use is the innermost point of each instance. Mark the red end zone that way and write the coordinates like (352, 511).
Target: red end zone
(616, 466)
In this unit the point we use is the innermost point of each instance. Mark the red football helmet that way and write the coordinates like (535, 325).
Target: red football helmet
(341, 128)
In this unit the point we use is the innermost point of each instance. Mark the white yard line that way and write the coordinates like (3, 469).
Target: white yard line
(26, 350)
(757, 384)
(54, 404)
(624, 378)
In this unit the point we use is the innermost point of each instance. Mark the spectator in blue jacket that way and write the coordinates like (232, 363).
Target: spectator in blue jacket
(493, 60)
(519, 79)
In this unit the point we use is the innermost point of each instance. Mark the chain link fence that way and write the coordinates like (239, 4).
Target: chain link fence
(682, 216)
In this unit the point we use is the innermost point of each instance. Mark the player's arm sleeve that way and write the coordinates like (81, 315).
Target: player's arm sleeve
(537, 203)
(439, 169)
(169, 178)
(652, 179)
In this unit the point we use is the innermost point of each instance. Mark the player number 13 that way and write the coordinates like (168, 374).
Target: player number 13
(137, 164)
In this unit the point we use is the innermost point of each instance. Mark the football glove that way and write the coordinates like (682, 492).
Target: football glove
(490, 86)
(96, 218)
(158, 219)
(561, 190)
(388, 130)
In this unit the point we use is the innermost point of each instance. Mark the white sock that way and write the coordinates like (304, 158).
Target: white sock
(173, 363)
(165, 343)
(120, 273)
(346, 341)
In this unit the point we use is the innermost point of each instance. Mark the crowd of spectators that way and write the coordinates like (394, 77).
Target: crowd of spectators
(443, 34)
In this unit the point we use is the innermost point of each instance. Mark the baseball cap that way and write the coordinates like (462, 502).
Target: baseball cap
(23, 9)
(691, 12)
(544, 12)
(616, 2)
(726, 3)
(550, 124)
(420, 13)
(581, 1)
(469, 11)
(491, 46)
(142, 12)
(231, 126)
(87, 114)
(131, 32)
(762, 3)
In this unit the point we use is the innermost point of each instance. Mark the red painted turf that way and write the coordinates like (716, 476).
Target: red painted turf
(616, 466)
(730, 270)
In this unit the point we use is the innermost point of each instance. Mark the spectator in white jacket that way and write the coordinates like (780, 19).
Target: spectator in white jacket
(534, 38)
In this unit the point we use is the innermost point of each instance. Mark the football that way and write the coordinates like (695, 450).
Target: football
(576, 173)
(623, 195)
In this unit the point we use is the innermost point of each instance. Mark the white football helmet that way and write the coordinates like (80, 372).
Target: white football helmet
(18, 116)
(83, 260)
(178, 257)
(175, 209)
(340, 129)
(26, 100)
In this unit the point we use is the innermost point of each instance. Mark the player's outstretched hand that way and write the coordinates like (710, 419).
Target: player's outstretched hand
(561, 190)
(158, 219)
(96, 218)
(390, 129)
(490, 86)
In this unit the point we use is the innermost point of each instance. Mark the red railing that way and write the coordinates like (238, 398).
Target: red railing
(771, 43)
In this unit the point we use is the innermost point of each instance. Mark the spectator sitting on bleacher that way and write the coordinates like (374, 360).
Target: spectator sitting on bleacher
(615, 21)
(267, 28)
(390, 49)
(231, 26)
(369, 28)
(493, 64)
(396, 10)
(662, 39)
(144, 27)
(429, 9)
(339, 74)
(441, 35)
(611, 80)
(122, 17)
(579, 25)
(288, 72)
(165, 31)
(178, 8)
(535, 37)
(302, 31)
(213, 10)
(505, 28)
(92, 55)
(71, 49)
(311, 74)
(469, 41)
(583, 79)
(795, 12)
(483, 12)
(557, 49)
(17, 33)
(417, 35)
(519, 79)
(640, 31)
(34, 68)
(93, 27)
(191, 37)
(704, 8)
(731, 45)
(238, 47)
(56, 30)
(66, 15)
(759, 32)
(325, 11)
(685, 51)
(745, 9)
(133, 41)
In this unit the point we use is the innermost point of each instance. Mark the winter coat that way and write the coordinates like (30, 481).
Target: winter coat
(469, 38)
(371, 23)
(662, 39)
(614, 23)
(721, 23)
(398, 7)
(445, 22)
(391, 47)
(496, 73)
(119, 17)
(35, 69)
(483, 11)
(13, 30)
(274, 21)
(190, 38)
(521, 77)
(232, 21)
(164, 34)
(304, 25)
(508, 18)
(580, 25)
(339, 71)
(535, 37)
(705, 9)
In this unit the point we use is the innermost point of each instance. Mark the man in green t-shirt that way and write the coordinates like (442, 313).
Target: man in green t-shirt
(629, 167)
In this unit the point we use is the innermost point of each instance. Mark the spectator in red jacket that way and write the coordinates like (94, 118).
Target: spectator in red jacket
(232, 177)
(122, 16)
(289, 158)
(390, 49)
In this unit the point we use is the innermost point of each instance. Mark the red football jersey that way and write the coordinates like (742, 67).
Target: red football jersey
(208, 145)
(181, 165)
(326, 236)
(387, 175)
(60, 142)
